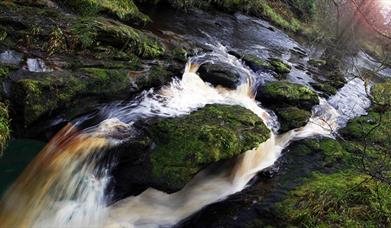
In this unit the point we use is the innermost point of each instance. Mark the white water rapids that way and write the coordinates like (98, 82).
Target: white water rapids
(153, 208)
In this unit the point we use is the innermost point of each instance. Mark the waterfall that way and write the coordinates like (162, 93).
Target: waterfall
(65, 184)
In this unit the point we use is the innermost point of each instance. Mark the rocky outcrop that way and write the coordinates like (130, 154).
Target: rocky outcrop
(287, 93)
(173, 150)
(219, 75)
(291, 102)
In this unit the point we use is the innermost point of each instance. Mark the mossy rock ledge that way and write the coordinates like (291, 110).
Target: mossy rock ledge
(174, 150)
(38, 94)
(291, 102)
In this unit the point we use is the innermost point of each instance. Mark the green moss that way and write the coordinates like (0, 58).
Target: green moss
(256, 63)
(4, 71)
(278, 93)
(340, 199)
(325, 88)
(106, 81)
(93, 32)
(280, 67)
(157, 76)
(263, 9)
(37, 97)
(373, 128)
(5, 130)
(259, 8)
(124, 10)
(185, 145)
(317, 62)
(333, 151)
(306, 8)
(381, 94)
(292, 117)
(179, 54)
(3, 35)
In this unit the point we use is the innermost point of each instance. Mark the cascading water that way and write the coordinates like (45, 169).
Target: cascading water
(64, 186)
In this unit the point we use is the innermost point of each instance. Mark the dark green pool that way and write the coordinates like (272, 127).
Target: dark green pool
(15, 158)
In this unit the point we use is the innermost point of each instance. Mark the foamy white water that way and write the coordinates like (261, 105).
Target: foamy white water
(85, 203)
(154, 208)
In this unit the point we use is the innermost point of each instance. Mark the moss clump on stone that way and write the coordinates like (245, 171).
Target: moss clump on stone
(124, 10)
(5, 130)
(325, 88)
(256, 63)
(91, 32)
(187, 144)
(279, 93)
(373, 128)
(280, 67)
(292, 117)
(317, 62)
(381, 94)
(36, 97)
(341, 199)
(155, 77)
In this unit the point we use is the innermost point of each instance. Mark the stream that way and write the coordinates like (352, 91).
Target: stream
(65, 185)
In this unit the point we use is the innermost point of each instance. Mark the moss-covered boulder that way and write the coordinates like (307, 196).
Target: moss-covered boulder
(279, 66)
(285, 93)
(181, 147)
(37, 94)
(219, 75)
(291, 102)
(256, 63)
(292, 117)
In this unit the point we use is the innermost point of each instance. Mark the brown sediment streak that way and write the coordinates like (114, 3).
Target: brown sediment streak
(193, 68)
(46, 178)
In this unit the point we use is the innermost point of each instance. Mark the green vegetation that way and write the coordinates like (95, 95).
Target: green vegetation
(5, 130)
(187, 144)
(353, 188)
(276, 12)
(156, 76)
(256, 63)
(288, 93)
(92, 32)
(317, 62)
(340, 199)
(280, 67)
(37, 97)
(124, 10)
(381, 94)
(325, 88)
(292, 117)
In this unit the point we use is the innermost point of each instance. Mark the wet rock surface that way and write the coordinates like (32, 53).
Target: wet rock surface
(173, 150)
(219, 75)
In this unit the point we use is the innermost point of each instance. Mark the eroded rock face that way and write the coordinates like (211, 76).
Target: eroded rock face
(172, 151)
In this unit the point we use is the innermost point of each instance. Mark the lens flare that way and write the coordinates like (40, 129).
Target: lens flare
(385, 3)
